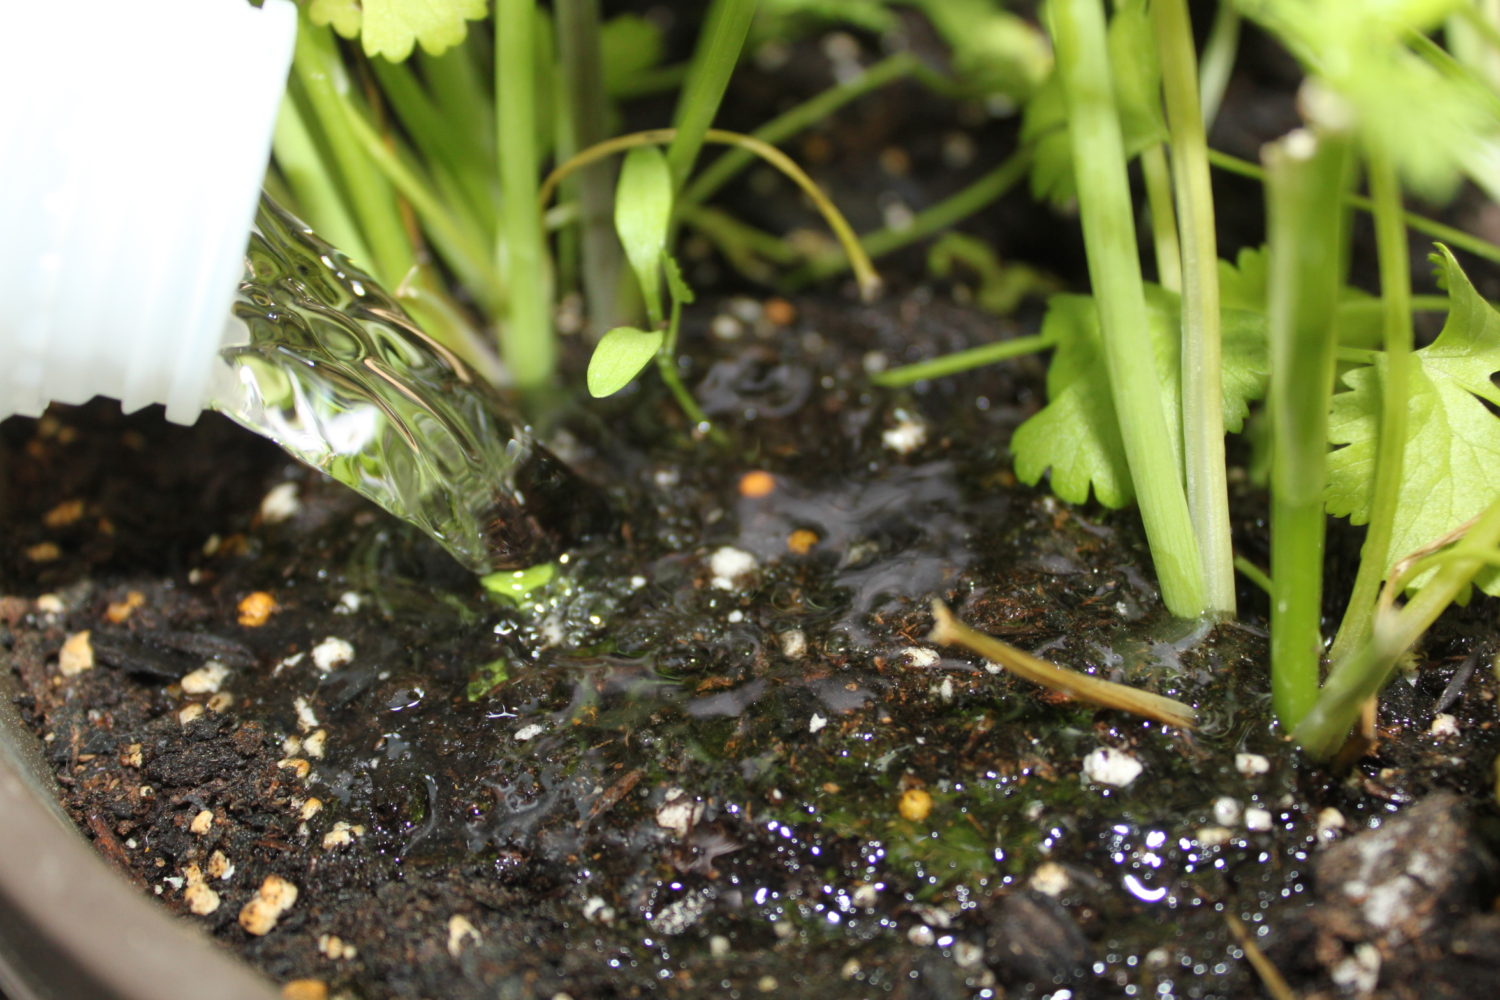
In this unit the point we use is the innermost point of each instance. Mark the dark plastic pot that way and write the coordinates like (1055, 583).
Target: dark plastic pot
(70, 927)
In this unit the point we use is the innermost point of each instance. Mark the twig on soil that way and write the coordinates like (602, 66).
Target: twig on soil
(948, 630)
(1270, 976)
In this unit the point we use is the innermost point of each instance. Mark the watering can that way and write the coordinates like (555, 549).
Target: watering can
(134, 138)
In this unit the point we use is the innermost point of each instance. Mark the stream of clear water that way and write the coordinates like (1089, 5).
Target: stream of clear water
(333, 370)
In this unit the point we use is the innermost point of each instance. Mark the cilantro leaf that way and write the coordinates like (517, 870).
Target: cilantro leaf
(1430, 122)
(1077, 434)
(1451, 464)
(390, 28)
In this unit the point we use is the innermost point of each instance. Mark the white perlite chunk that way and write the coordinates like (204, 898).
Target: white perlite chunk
(201, 900)
(76, 655)
(1050, 879)
(307, 719)
(342, 835)
(730, 566)
(793, 643)
(1258, 819)
(916, 656)
(1108, 766)
(1227, 811)
(460, 932)
(530, 732)
(206, 679)
(274, 897)
(907, 436)
(678, 812)
(816, 723)
(1443, 725)
(1251, 764)
(202, 822)
(280, 504)
(332, 653)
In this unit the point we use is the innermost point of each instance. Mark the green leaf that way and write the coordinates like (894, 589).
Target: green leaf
(677, 286)
(1137, 80)
(1431, 123)
(643, 214)
(1077, 435)
(619, 357)
(390, 28)
(631, 45)
(1451, 463)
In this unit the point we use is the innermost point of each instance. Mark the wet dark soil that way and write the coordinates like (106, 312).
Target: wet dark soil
(714, 755)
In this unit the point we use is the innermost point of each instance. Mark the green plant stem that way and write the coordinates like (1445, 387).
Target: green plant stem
(719, 45)
(1078, 33)
(1254, 574)
(1395, 289)
(962, 361)
(933, 219)
(1361, 673)
(1158, 177)
(666, 366)
(869, 281)
(1218, 59)
(707, 182)
(319, 71)
(1202, 348)
(457, 237)
(582, 64)
(750, 251)
(443, 147)
(1457, 238)
(315, 191)
(526, 340)
(1307, 231)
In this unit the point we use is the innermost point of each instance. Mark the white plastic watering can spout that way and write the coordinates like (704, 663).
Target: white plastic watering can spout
(133, 143)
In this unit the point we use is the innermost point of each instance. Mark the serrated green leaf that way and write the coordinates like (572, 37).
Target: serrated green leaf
(1076, 434)
(677, 286)
(390, 28)
(1137, 79)
(1451, 463)
(643, 214)
(619, 357)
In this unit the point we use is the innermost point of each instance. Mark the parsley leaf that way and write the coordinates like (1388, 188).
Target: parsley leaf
(390, 28)
(1451, 466)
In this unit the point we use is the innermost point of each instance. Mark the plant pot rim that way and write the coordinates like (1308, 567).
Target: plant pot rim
(70, 926)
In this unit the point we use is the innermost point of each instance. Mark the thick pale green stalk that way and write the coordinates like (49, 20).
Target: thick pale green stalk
(1099, 164)
(1307, 230)
(526, 341)
(1202, 351)
(582, 65)
(719, 46)
(1358, 676)
(1395, 291)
